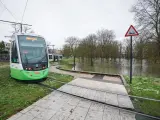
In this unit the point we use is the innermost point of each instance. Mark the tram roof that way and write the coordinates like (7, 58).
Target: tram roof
(29, 34)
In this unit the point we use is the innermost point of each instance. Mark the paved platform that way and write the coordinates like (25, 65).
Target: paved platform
(76, 75)
(61, 106)
(104, 92)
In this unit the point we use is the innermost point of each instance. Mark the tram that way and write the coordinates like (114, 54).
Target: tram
(28, 57)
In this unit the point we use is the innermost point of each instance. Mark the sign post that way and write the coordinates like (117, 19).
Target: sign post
(131, 32)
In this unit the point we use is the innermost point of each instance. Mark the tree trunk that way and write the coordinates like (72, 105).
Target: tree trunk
(74, 61)
(91, 61)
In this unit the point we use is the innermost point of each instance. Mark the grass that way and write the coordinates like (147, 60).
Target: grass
(53, 63)
(4, 63)
(145, 87)
(67, 63)
(59, 77)
(15, 96)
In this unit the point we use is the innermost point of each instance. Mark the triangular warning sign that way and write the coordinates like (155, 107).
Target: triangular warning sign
(131, 31)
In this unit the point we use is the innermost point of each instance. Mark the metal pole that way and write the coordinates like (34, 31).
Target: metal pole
(131, 56)
(14, 22)
(21, 27)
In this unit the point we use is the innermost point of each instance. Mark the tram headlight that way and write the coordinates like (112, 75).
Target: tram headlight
(44, 67)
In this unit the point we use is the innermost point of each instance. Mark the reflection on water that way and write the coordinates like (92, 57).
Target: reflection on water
(122, 66)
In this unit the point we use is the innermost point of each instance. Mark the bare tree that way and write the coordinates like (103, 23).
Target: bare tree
(66, 51)
(104, 37)
(140, 43)
(91, 41)
(147, 16)
(101, 45)
(72, 43)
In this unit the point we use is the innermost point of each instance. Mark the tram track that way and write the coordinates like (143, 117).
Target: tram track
(118, 107)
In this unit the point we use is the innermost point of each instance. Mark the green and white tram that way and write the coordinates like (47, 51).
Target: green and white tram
(28, 57)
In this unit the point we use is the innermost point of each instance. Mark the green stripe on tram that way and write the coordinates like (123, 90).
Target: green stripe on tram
(28, 75)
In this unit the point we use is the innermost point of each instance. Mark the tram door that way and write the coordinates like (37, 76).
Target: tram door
(14, 59)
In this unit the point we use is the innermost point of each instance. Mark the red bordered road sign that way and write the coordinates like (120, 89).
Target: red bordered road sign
(131, 32)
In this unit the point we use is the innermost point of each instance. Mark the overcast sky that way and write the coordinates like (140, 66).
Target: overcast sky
(58, 19)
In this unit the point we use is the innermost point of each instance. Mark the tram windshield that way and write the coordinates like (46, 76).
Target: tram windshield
(32, 49)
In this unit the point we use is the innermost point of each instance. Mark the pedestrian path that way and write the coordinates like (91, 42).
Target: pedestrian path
(76, 75)
(104, 78)
(109, 93)
(62, 106)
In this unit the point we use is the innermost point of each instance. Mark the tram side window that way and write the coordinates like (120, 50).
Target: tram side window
(50, 56)
(14, 53)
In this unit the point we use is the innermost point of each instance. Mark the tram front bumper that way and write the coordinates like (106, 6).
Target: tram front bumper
(29, 75)
(34, 75)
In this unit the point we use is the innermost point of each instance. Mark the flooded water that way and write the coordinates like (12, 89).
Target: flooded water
(122, 66)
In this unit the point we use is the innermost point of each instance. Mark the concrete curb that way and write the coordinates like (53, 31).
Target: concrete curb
(123, 80)
(96, 73)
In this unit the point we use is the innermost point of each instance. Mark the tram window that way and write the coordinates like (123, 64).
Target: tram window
(50, 56)
(14, 53)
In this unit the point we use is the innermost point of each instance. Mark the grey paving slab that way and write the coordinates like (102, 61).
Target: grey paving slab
(111, 99)
(102, 80)
(66, 88)
(126, 115)
(46, 115)
(56, 94)
(85, 83)
(34, 111)
(100, 96)
(25, 117)
(16, 116)
(110, 87)
(78, 114)
(94, 115)
(84, 103)
(38, 119)
(75, 90)
(74, 101)
(81, 91)
(124, 101)
(47, 101)
(43, 103)
(63, 113)
(90, 94)
(27, 109)
(95, 106)
(111, 113)
(60, 102)
(116, 88)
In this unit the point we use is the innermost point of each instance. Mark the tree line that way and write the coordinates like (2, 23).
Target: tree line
(3, 48)
(100, 45)
(103, 45)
